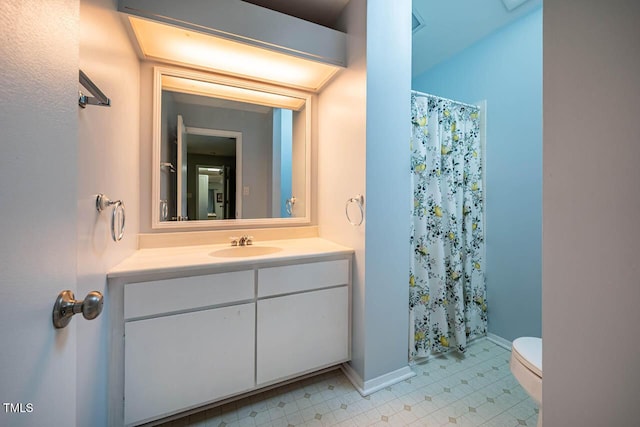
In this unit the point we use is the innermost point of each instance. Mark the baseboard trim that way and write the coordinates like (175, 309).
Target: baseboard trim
(504, 343)
(365, 388)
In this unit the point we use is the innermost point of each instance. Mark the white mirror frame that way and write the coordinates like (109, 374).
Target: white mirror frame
(224, 223)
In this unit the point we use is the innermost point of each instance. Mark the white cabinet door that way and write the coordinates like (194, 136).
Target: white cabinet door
(182, 361)
(302, 332)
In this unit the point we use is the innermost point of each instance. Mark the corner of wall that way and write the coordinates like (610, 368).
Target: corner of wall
(108, 162)
(340, 151)
(364, 127)
(388, 195)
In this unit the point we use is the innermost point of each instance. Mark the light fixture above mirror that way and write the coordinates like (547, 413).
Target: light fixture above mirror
(233, 93)
(178, 46)
(236, 38)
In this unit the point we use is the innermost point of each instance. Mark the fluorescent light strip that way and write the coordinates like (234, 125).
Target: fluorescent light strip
(198, 87)
(176, 45)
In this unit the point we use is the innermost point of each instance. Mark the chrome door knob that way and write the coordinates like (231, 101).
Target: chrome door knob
(66, 306)
(92, 305)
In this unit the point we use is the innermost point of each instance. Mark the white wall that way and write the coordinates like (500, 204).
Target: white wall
(362, 148)
(38, 176)
(168, 179)
(591, 236)
(341, 147)
(298, 164)
(146, 144)
(108, 162)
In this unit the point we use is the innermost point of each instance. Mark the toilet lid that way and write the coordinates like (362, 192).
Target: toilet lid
(528, 351)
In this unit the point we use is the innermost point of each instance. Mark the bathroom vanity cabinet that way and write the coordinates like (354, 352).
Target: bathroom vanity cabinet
(187, 339)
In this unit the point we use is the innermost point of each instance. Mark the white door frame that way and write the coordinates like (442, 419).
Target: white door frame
(238, 138)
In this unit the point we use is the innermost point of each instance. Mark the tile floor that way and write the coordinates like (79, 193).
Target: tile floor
(451, 390)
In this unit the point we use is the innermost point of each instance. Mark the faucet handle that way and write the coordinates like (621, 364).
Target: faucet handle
(234, 241)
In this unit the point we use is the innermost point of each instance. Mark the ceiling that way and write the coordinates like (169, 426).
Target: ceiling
(449, 25)
(211, 145)
(211, 101)
(323, 12)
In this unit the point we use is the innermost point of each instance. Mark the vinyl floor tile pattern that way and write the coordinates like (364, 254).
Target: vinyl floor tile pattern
(475, 389)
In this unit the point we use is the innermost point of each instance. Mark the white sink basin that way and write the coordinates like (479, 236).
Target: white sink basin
(245, 251)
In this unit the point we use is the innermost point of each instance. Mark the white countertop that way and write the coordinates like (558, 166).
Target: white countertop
(190, 258)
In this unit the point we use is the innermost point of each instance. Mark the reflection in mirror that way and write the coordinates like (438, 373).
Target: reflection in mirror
(213, 201)
(229, 154)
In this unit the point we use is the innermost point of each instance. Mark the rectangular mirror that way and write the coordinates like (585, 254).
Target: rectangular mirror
(228, 152)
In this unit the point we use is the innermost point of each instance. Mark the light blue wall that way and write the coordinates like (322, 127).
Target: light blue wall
(286, 144)
(275, 163)
(505, 68)
(281, 167)
(388, 191)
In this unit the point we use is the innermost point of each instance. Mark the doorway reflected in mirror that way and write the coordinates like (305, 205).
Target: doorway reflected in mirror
(254, 140)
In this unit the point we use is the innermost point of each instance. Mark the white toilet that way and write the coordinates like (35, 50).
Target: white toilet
(526, 366)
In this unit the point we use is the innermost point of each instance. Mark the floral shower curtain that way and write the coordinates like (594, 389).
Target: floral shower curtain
(447, 288)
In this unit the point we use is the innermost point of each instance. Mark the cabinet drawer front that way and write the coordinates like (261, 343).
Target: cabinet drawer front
(302, 277)
(301, 332)
(185, 293)
(177, 362)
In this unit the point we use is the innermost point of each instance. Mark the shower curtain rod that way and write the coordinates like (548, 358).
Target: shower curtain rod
(445, 99)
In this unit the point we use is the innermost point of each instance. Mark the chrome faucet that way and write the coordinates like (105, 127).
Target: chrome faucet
(245, 240)
(242, 241)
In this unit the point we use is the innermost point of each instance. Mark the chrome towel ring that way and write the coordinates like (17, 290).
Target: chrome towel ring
(164, 210)
(289, 205)
(117, 215)
(359, 200)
